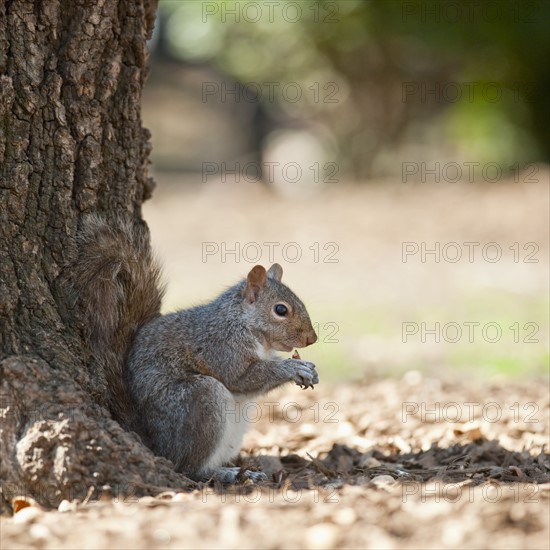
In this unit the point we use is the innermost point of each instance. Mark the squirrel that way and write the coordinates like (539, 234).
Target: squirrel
(182, 380)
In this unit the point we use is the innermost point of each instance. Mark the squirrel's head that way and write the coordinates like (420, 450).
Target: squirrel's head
(278, 314)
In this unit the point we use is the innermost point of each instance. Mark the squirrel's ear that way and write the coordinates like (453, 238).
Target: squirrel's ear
(275, 272)
(255, 281)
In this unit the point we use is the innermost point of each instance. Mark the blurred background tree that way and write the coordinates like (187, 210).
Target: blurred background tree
(358, 86)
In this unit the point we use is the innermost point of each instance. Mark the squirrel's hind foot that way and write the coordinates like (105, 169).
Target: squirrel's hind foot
(233, 475)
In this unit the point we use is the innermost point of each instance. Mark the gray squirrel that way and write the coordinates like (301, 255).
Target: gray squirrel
(182, 380)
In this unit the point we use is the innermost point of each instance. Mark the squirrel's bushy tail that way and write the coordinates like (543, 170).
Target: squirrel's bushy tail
(118, 283)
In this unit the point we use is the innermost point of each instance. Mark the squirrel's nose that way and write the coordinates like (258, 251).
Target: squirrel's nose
(311, 338)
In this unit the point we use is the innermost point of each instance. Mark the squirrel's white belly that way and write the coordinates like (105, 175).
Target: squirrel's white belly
(235, 425)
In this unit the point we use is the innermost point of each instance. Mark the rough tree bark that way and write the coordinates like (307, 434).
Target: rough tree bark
(71, 142)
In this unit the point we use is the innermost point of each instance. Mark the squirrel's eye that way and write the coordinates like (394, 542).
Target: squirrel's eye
(281, 310)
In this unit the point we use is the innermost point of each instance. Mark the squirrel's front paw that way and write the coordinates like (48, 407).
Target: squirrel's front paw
(302, 372)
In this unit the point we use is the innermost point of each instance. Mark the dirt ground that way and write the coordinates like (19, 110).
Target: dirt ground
(409, 463)
(404, 444)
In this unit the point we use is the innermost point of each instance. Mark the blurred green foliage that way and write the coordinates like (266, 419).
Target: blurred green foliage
(463, 79)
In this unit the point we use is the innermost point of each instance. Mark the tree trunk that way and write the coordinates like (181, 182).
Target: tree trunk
(71, 142)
